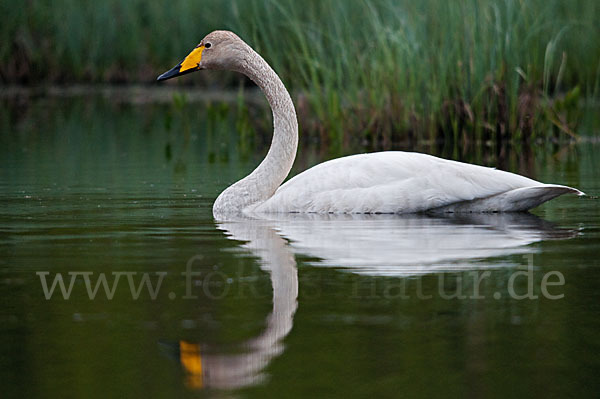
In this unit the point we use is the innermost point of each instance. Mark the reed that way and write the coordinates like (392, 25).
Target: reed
(383, 70)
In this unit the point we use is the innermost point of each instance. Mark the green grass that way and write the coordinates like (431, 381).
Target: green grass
(385, 70)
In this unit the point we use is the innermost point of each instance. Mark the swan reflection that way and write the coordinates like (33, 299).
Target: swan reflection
(406, 245)
(367, 244)
(204, 365)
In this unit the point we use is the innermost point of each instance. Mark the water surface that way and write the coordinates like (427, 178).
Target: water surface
(347, 306)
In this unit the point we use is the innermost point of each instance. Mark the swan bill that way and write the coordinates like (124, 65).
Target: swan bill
(191, 63)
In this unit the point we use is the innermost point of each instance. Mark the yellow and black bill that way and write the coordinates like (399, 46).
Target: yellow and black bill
(191, 63)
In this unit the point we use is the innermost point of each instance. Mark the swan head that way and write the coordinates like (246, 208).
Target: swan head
(218, 50)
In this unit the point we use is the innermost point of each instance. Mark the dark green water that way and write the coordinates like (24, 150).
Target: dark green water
(408, 306)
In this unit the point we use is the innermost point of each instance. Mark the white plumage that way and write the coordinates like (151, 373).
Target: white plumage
(404, 182)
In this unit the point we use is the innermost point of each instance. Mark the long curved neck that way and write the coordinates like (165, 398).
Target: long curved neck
(262, 183)
(273, 170)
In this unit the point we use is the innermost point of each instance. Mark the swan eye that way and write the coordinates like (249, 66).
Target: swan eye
(207, 45)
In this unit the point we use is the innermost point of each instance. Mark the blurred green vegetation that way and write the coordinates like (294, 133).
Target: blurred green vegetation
(387, 69)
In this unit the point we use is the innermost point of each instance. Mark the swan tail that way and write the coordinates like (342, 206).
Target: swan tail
(517, 200)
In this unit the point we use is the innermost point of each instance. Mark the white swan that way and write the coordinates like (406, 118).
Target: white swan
(382, 182)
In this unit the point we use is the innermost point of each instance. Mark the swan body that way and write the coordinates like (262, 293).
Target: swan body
(406, 182)
(382, 182)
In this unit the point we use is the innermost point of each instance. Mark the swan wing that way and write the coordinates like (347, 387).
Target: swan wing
(404, 182)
